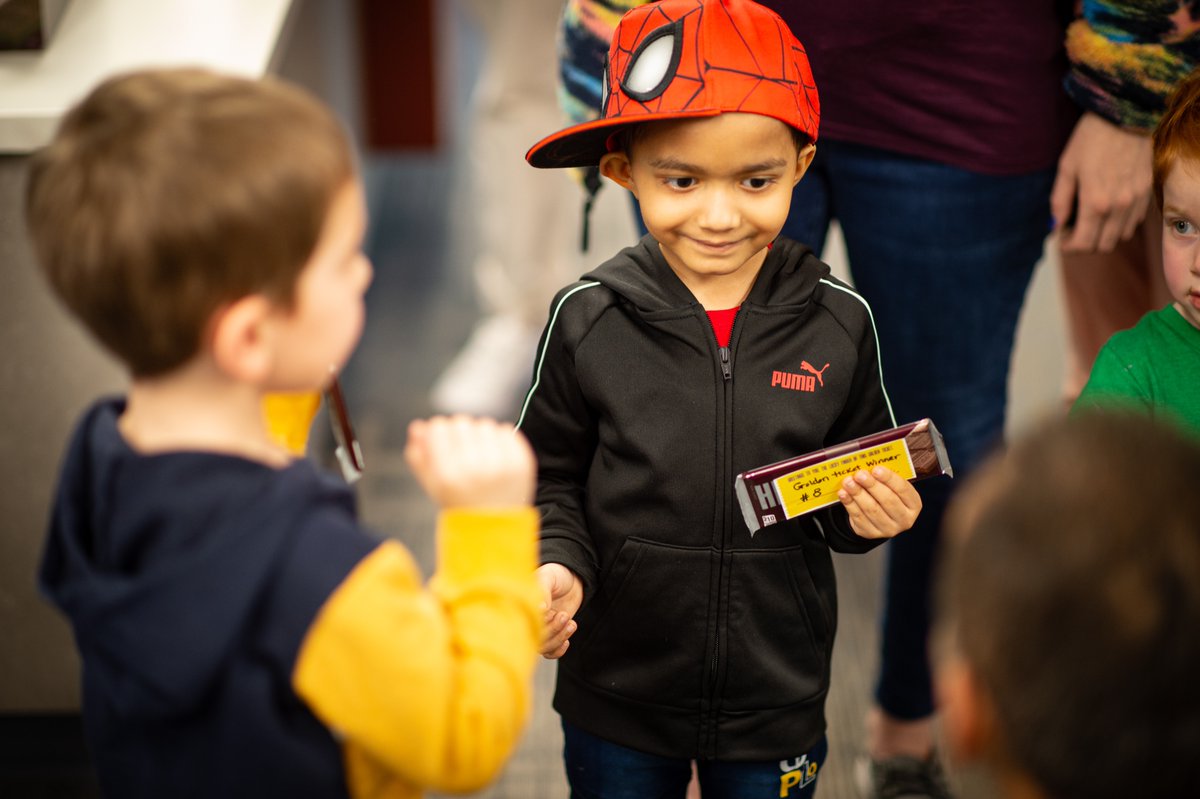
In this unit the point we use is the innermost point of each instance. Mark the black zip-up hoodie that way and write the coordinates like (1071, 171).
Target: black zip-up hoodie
(696, 640)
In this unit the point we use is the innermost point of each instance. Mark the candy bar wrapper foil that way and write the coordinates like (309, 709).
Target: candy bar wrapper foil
(802, 484)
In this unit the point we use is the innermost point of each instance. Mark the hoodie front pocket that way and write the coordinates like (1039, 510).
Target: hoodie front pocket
(642, 636)
(778, 642)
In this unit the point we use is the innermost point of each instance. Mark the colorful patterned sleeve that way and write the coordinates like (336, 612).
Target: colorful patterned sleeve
(586, 31)
(1127, 55)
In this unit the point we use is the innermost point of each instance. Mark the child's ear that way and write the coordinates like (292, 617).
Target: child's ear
(968, 715)
(804, 160)
(241, 339)
(617, 168)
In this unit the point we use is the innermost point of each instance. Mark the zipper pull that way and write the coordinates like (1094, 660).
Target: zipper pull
(726, 369)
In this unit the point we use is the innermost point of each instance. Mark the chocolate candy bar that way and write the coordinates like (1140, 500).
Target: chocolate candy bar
(804, 483)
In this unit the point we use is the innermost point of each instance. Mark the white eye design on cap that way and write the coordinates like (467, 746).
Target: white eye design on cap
(653, 64)
(604, 88)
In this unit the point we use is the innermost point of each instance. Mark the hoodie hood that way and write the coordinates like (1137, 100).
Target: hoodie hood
(640, 273)
(158, 561)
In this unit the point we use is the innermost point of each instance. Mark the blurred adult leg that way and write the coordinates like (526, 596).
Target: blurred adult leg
(944, 257)
(523, 222)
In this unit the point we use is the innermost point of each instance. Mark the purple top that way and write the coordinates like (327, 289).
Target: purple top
(977, 84)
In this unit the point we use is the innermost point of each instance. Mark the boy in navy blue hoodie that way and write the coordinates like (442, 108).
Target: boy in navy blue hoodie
(709, 348)
(241, 634)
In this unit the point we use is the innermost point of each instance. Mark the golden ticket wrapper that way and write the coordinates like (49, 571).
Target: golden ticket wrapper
(799, 485)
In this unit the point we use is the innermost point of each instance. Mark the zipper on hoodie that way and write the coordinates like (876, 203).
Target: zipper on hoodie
(723, 350)
(724, 356)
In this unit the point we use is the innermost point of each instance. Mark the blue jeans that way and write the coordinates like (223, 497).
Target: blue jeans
(944, 257)
(600, 769)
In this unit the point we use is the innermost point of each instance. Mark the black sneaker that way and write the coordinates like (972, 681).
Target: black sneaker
(903, 777)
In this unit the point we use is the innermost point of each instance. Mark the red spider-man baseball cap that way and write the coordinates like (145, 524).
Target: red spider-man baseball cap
(676, 59)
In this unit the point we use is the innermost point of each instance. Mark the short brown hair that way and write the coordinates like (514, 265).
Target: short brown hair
(1177, 135)
(166, 194)
(1071, 586)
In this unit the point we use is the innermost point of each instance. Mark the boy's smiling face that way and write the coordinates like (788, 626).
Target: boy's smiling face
(1181, 237)
(714, 192)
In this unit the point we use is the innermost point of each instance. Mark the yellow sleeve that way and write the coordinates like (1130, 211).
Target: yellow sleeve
(431, 684)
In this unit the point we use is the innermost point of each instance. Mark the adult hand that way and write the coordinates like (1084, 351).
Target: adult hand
(1105, 173)
(564, 595)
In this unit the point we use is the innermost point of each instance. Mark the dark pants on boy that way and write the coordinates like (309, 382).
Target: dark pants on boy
(600, 769)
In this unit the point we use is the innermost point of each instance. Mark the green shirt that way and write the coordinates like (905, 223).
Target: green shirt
(1154, 365)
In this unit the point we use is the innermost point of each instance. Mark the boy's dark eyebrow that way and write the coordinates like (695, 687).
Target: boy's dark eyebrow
(765, 166)
(674, 164)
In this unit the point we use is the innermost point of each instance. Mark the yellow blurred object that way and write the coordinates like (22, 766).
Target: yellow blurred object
(289, 418)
